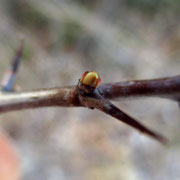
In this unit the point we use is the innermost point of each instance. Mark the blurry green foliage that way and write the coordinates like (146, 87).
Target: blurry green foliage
(70, 33)
(151, 7)
(26, 15)
(74, 36)
(89, 4)
(27, 53)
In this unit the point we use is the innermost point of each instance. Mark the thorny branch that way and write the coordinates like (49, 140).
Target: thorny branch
(82, 95)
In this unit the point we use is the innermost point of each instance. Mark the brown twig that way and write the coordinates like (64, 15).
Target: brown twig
(163, 87)
(67, 96)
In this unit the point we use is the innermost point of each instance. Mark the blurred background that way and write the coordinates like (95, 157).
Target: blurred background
(121, 40)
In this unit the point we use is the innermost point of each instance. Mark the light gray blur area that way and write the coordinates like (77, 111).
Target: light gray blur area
(121, 40)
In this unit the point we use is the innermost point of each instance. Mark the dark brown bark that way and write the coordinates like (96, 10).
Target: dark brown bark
(164, 87)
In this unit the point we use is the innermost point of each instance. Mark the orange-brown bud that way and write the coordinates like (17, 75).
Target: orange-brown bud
(90, 78)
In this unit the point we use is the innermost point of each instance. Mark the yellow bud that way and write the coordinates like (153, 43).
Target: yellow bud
(90, 78)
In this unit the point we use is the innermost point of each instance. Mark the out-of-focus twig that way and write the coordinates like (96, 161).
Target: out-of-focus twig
(8, 81)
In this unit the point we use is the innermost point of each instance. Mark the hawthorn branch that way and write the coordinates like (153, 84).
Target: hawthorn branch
(68, 96)
(74, 96)
(87, 94)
